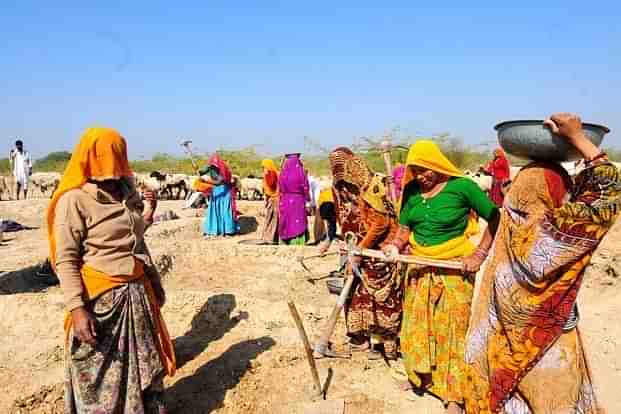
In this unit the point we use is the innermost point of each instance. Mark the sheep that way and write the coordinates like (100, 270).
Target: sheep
(4, 188)
(251, 188)
(45, 183)
(171, 186)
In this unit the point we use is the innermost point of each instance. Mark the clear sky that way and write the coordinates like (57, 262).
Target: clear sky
(234, 73)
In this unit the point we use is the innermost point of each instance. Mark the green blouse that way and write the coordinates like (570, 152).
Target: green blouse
(444, 216)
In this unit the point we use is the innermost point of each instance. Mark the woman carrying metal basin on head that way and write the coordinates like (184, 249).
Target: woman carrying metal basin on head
(524, 349)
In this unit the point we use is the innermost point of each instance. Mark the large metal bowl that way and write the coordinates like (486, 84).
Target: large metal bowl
(532, 140)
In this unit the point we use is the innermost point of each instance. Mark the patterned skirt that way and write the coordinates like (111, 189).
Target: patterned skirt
(123, 372)
(436, 313)
(375, 306)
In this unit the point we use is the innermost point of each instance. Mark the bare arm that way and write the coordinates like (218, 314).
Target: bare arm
(473, 263)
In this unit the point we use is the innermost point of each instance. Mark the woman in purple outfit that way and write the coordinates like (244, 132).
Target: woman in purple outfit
(294, 193)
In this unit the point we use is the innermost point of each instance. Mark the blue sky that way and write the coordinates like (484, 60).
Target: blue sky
(231, 74)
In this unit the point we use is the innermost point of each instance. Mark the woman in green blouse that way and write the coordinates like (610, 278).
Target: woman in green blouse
(436, 222)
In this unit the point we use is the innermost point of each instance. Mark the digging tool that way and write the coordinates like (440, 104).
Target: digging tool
(412, 260)
(322, 348)
(309, 351)
(186, 145)
(301, 259)
(319, 391)
(386, 147)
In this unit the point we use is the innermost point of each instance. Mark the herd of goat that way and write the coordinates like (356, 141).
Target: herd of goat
(167, 186)
(179, 186)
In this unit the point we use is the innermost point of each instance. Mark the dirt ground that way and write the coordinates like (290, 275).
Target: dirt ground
(238, 349)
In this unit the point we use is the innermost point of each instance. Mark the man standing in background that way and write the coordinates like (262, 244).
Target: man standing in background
(21, 164)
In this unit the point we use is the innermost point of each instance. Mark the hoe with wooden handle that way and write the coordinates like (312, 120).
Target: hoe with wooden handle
(322, 348)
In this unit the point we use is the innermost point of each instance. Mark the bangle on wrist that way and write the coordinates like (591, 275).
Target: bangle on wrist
(599, 156)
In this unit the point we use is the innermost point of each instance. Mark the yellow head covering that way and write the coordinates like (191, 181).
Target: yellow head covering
(269, 165)
(428, 155)
(101, 154)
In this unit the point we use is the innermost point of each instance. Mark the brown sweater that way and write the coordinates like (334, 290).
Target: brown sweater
(92, 228)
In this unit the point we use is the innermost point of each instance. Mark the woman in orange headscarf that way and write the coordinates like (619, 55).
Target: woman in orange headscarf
(117, 346)
(269, 233)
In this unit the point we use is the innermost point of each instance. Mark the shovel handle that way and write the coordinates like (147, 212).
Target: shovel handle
(307, 347)
(413, 260)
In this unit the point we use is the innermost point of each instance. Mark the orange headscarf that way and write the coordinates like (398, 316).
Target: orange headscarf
(101, 154)
(269, 166)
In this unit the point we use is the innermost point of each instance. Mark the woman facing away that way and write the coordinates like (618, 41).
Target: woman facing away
(117, 348)
(374, 312)
(269, 233)
(524, 348)
(293, 189)
(500, 170)
(221, 215)
(434, 220)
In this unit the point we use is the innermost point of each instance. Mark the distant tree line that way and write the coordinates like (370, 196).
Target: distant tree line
(247, 161)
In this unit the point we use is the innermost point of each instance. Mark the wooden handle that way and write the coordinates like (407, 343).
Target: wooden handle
(413, 260)
(307, 347)
(388, 165)
(336, 312)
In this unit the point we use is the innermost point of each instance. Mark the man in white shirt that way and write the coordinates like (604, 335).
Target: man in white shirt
(21, 164)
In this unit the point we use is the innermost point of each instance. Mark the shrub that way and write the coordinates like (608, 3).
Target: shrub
(54, 161)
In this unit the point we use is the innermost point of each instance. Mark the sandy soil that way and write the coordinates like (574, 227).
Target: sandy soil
(238, 349)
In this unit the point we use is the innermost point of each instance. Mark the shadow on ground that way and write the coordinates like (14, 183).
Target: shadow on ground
(27, 280)
(210, 324)
(247, 225)
(205, 391)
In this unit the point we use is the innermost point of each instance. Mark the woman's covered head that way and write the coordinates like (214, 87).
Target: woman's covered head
(428, 165)
(101, 155)
(268, 165)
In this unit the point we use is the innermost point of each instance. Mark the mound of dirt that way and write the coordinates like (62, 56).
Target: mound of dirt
(48, 400)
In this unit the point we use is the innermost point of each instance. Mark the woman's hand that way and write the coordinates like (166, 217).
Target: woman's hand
(569, 127)
(160, 294)
(391, 252)
(566, 125)
(150, 200)
(472, 264)
(84, 326)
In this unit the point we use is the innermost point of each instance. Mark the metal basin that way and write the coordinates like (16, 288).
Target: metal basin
(532, 140)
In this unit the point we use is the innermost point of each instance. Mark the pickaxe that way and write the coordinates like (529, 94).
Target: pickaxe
(301, 259)
(322, 348)
(186, 145)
